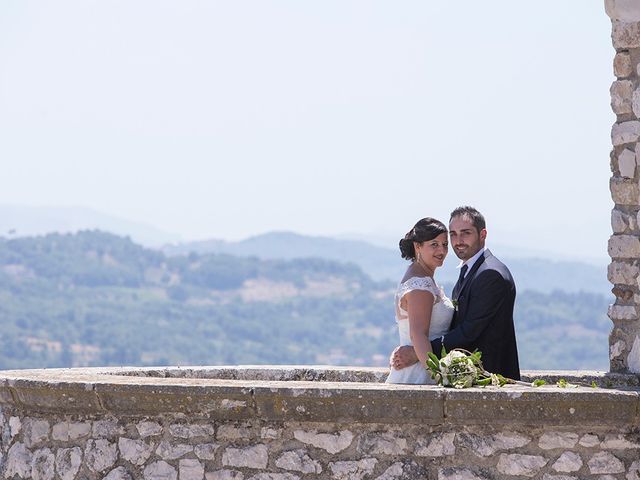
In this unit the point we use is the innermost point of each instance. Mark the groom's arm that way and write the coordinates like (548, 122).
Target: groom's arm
(489, 292)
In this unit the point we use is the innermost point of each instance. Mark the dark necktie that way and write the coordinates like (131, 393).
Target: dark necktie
(458, 286)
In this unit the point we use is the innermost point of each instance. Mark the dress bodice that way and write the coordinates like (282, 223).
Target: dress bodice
(442, 311)
(441, 316)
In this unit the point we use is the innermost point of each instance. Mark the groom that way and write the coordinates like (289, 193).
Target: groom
(484, 296)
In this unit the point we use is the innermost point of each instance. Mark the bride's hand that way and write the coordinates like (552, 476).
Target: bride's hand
(402, 357)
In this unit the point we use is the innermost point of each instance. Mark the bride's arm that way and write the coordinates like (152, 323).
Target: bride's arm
(419, 308)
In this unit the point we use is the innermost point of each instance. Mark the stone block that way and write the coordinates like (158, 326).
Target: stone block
(43, 465)
(172, 451)
(540, 406)
(270, 433)
(634, 471)
(181, 430)
(625, 35)
(330, 442)
(68, 461)
(626, 10)
(18, 461)
(136, 452)
(589, 440)
(54, 396)
(622, 293)
(487, 445)
(35, 431)
(627, 159)
(633, 359)
(274, 476)
(457, 473)
(328, 403)
(382, 443)
(615, 351)
(224, 475)
(624, 246)
(100, 455)
(623, 273)
(118, 473)
(160, 471)
(568, 462)
(618, 221)
(233, 432)
(624, 191)
(618, 442)
(622, 66)
(605, 463)
(190, 469)
(298, 461)
(15, 425)
(106, 429)
(622, 94)
(227, 402)
(394, 472)
(65, 431)
(551, 440)
(353, 470)
(149, 429)
(206, 451)
(625, 132)
(438, 445)
(516, 464)
(250, 457)
(622, 312)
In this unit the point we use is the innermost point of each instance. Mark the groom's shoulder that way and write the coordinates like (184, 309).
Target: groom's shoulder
(491, 262)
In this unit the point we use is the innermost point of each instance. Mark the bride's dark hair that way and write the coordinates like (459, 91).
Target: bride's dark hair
(426, 229)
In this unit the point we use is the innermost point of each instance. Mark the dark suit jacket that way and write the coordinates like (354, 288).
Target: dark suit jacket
(484, 317)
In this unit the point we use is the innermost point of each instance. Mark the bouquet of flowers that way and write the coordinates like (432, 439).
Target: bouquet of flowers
(462, 369)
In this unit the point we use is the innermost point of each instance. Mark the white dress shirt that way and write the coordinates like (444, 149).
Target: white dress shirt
(471, 261)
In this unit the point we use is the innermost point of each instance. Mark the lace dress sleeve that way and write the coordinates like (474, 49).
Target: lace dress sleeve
(418, 283)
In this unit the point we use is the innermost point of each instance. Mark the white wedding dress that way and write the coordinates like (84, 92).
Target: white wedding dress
(441, 316)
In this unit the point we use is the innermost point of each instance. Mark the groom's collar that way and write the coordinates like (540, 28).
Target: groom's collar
(471, 261)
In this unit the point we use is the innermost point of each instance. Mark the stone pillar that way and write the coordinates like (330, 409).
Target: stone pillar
(624, 244)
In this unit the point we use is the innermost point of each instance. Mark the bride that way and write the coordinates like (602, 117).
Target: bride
(423, 312)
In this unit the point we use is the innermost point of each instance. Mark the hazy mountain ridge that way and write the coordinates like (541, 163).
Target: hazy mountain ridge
(386, 264)
(93, 298)
(380, 263)
(27, 221)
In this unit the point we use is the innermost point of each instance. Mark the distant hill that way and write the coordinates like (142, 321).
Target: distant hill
(381, 263)
(26, 221)
(94, 298)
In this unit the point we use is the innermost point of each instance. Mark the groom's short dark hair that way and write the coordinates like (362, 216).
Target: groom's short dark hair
(477, 219)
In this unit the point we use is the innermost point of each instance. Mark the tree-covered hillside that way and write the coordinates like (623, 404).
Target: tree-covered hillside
(97, 299)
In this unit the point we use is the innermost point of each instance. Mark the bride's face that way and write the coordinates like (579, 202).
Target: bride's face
(433, 252)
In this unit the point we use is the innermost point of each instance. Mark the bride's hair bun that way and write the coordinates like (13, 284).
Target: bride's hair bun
(426, 229)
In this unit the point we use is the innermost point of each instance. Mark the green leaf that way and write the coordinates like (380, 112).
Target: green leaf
(594, 384)
(443, 351)
(562, 383)
(538, 382)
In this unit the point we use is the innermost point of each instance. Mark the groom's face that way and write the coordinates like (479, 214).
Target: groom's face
(465, 238)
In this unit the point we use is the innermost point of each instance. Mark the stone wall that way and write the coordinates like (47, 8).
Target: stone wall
(218, 424)
(624, 245)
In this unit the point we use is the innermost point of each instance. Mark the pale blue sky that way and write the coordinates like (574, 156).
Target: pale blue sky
(227, 119)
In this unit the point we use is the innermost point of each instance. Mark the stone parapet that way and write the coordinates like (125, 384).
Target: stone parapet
(106, 391)
(286, 423)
